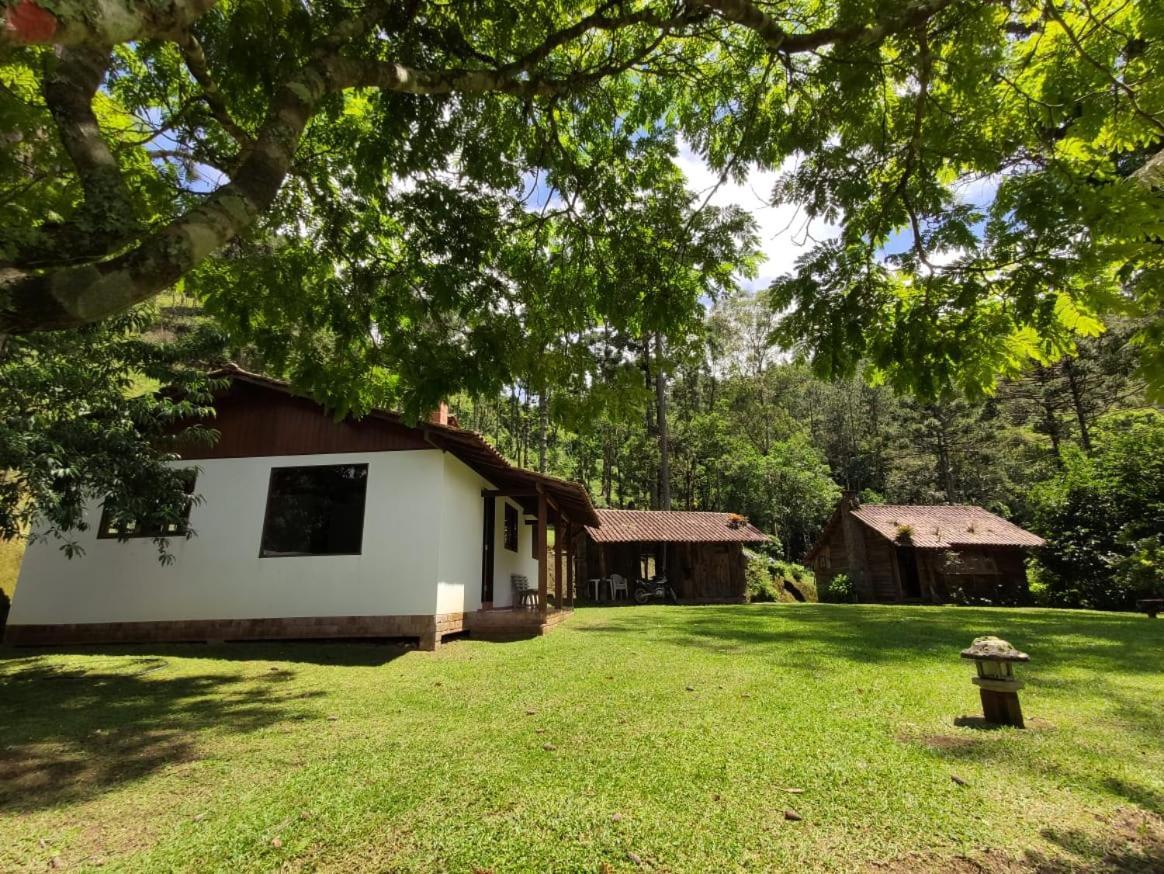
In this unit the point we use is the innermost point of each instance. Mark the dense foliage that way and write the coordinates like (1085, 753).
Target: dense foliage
(1103, 517)
(79, 418)
(361, 189)
(753, 432)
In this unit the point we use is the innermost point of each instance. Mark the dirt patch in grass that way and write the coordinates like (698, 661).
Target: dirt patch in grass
(1127, 842)
(946, 741)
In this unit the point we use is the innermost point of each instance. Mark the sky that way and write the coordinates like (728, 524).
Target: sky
(784, 230)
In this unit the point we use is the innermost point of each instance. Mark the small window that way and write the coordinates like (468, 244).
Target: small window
(123, 529)
(315, 511)
(511, 527)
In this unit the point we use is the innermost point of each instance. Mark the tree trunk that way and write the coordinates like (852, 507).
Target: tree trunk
(1050, 418)
(945, 469)
(664, 434)
(1074, 384)
(607, 464)
(651, 422)
(543, 430)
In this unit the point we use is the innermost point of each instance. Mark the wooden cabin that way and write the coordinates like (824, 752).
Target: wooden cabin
(701, 553)
(924, 553)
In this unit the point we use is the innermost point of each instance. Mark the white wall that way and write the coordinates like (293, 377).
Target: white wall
(507, 562)
(462, 523)
(459, 566)
(411, 527)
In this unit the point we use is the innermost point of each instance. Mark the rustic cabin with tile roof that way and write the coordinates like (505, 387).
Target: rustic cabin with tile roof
(924, 553)
(700, 552)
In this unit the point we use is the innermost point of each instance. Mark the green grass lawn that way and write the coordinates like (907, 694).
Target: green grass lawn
(656, 738)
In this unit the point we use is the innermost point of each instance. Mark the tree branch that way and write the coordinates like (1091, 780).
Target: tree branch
(1115, 80)
(101, 23)
(74, 295)
(106, 212)
(195, 60)
(749, 15)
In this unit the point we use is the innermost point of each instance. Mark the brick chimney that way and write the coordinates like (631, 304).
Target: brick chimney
(440, 416)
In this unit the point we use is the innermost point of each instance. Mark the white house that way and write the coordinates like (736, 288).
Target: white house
(311, 527)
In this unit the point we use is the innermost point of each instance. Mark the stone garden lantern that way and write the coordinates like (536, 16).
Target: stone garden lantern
(996, 682)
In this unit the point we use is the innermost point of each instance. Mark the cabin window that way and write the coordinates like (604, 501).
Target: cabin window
(511, 527)
(123, 529)
(315, 510)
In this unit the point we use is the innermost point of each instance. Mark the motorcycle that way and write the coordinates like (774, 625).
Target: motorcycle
(655, 589)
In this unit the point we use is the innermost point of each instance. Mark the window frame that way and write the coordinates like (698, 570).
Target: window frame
(106, 532)
(511, 513)
(267, 513)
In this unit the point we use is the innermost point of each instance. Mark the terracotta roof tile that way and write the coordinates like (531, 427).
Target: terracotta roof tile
(942, 526)
(671, 526)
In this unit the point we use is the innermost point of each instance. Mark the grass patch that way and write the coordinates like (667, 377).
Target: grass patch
(11, 554)
(673, 735)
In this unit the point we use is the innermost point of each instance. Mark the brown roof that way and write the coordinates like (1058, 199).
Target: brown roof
(944, 526)
(670, 526)
(470, 447)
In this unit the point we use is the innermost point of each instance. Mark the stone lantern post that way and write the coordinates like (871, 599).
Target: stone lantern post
(997, 685)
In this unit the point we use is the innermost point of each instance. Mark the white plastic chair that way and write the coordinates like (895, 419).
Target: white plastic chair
(618, 584)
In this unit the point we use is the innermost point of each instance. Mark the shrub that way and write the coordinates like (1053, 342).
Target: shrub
(766, 577)
(1103, 517)
(798, 575)
(758, 576)
(839, 590)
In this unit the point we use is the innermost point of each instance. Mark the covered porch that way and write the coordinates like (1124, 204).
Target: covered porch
(700, 553)
(537, 604)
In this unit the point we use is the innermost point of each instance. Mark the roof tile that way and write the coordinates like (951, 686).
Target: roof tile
(671, 526)
(941, 526)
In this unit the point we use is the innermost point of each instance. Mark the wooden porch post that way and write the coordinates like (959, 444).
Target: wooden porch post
(570, 565)
(541, 535)
(559, 531)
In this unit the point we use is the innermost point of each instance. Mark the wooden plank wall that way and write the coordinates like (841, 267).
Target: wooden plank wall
(700, 572)
(1008, 586)
(255, 421)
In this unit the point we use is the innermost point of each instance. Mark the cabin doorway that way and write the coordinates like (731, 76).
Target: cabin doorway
(907, 567)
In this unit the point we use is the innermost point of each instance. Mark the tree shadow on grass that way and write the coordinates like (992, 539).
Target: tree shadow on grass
(881, 635)
(1129, 841)
(69, 733)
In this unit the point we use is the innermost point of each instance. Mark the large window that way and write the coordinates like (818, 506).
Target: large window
(163, 523)
(511, 527)
(315, 510)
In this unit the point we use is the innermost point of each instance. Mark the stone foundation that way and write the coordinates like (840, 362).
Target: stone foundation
(428, 630)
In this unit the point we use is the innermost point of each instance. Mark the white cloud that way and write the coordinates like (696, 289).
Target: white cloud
(785, 231)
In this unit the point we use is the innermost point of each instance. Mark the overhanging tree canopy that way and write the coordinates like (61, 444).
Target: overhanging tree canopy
(388, 156)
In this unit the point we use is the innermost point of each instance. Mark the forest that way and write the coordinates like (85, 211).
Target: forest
(730, 420)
